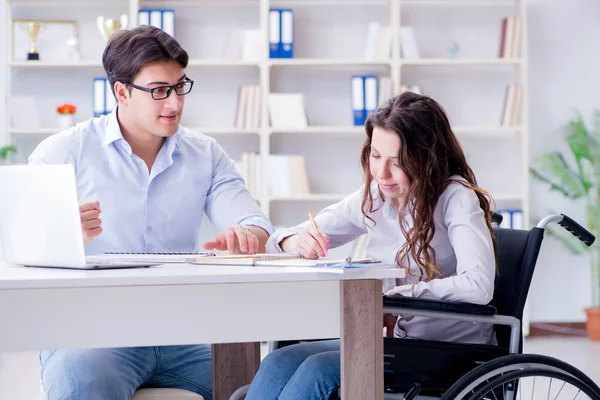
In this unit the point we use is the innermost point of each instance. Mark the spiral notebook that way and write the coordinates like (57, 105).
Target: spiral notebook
(158, 258)
(246, 259)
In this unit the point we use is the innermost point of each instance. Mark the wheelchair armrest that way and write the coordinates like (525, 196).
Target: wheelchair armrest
(398, 300)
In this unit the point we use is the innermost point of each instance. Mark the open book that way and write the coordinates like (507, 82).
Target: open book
(321, 262)
(282, 260)
(159, 258)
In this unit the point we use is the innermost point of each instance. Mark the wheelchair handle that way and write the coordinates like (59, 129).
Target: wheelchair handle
(571, 225)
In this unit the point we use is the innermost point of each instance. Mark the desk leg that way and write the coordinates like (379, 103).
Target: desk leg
(361, 340)
(233, 365)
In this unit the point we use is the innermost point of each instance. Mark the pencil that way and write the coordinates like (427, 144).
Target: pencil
(313, 221)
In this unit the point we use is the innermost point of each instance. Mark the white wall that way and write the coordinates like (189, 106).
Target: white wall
(564, 56)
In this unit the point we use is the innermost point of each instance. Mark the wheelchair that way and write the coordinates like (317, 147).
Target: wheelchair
(450, 371)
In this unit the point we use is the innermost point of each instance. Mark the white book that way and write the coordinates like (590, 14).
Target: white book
(256, 107)
(286, 110)
(111, 101)
(156, 18)
(383, 47)
(99, 93)
(241, 108)
(385, 90)
(144, 17)
(169, 22)
(410, 49)
(372, 39)
(508, 105)
(508, 42)
(252, 45)
(516, 109)
(249, 106)
(516, 40)
(517, 219)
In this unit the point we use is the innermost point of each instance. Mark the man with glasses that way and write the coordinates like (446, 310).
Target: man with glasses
(151, 180)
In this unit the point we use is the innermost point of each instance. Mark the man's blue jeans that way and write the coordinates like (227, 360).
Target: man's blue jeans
(306, 371)
(115, 374)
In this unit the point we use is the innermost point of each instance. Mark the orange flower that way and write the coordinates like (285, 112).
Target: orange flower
(66, 109)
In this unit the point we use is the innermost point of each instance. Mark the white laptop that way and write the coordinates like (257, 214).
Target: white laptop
(39, 220)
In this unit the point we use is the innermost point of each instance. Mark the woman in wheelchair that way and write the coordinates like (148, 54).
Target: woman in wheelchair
(422, 207)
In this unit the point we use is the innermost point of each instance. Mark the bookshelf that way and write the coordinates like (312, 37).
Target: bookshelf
(329, 40)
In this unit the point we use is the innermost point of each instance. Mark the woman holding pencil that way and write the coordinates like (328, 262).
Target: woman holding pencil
(424, 211)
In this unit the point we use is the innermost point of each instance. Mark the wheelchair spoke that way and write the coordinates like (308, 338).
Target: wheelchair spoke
(520, 390)
(561, 388)
(579, 391)
(549, 389)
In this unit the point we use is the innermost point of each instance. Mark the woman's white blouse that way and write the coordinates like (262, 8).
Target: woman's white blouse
(463, 247)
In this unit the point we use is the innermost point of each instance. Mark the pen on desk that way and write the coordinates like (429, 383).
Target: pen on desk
(314, 223)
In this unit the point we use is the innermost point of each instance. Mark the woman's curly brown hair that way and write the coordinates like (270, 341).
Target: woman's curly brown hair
(430, 155)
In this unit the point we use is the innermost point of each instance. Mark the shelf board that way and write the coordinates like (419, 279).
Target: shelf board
(224, 131)
(221, 63)
(507, 196)
(39, 131)
(487, 130)
(55, 64)
(315, 130)
(326, 3)
(78, 3)
(462, 62)
(311, 197)
(453, 3)
(329, 62)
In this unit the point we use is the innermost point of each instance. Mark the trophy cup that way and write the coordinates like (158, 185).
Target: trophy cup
(108, 27)
(33, 30)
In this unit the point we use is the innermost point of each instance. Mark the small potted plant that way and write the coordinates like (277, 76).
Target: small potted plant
(66, 114)
(5, 151)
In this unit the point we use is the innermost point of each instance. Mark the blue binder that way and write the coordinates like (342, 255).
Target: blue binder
(161, 18)
(281, 33)
(99, 96)
(364, 89)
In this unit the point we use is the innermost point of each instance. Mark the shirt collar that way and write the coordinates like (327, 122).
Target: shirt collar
(113, 133)
(113, 130)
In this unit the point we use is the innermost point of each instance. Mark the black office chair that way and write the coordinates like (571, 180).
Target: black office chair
(461, 371)
(471, 371)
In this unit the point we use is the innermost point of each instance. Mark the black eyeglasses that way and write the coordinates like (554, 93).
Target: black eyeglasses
(162, 92)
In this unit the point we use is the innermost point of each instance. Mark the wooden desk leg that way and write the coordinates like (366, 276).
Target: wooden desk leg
(361, 340)
(233, 365)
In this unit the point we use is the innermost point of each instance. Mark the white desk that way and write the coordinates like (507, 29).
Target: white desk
(233, 307)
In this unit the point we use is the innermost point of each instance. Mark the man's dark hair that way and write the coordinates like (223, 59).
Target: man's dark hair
(128, 51)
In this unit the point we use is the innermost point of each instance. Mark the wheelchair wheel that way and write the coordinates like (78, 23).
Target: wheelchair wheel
(523, 376)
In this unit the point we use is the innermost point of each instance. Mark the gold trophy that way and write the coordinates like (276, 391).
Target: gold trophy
(33, 30)
(108, 27)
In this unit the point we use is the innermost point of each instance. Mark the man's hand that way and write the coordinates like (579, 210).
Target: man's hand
(236, 240)
(91, 224)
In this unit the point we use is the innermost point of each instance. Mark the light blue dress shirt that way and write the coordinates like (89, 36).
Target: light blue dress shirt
(157, 211)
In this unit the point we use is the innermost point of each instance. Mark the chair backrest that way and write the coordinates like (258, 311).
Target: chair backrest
(516, 253)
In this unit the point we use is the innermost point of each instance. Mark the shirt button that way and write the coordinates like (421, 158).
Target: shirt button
(149, 229)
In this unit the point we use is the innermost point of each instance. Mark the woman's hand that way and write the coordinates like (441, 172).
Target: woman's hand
(309, 243)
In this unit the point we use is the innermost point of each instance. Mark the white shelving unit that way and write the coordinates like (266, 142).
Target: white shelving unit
(329, 39)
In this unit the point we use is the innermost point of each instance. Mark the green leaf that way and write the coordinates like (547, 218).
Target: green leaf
(577, 138)
(555, 172)
(4, 151)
